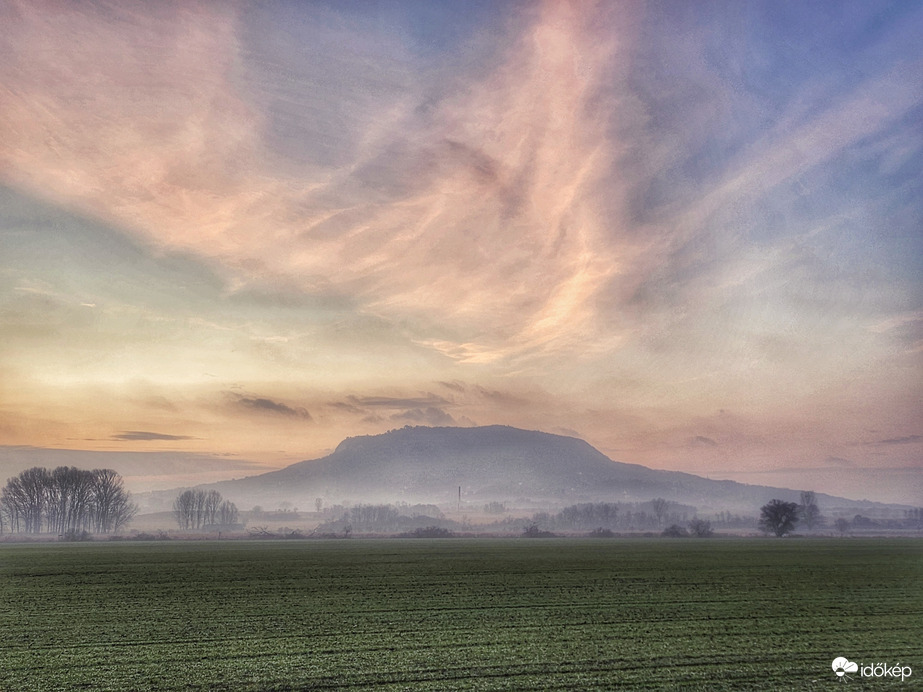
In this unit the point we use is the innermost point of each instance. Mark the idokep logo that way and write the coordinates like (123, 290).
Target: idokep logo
(842, 666)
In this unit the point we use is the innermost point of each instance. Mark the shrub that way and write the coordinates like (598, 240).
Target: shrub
(429, 532)
(72, 536)
(601, 533)
(144, 536)
(700, 528)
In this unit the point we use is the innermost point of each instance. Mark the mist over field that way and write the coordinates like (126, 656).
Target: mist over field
(496, 480)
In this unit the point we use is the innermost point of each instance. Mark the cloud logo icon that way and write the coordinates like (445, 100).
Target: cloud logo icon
(842, 665)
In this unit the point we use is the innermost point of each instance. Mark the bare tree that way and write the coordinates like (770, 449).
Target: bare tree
(808, 511)
(586, 515)
(227, 513)
(66, 500)
(778, 517)
(33, 492)
(13, 504)
(198, 508)
(184, 509)
(211, 504)
(195, 508)
(842, 526)
(69, 500)
(659, 505)
(113, 506)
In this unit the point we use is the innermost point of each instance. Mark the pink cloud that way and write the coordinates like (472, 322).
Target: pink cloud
(491, 236)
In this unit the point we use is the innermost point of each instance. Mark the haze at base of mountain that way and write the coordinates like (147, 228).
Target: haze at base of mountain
(143, 472)
(493, 464)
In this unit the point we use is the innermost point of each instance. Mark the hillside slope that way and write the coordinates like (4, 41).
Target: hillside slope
(493, 463)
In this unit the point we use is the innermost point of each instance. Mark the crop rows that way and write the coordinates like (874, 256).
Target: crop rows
(456, 614)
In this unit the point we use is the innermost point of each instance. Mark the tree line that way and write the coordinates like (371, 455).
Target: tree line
(781, 518)
(653, 514)
(381, 518)
(197, 508)
(66, 500)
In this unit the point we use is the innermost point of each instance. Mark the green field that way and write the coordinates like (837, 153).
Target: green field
(458, 614)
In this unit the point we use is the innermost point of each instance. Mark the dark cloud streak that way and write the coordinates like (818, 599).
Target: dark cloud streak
(909, 439)
(270, 406)
(137, 435)
(430, 416)
(427, 401)
(702, 440)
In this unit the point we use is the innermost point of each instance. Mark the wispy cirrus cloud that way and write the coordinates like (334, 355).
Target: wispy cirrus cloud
(506, 227)
(487, 206)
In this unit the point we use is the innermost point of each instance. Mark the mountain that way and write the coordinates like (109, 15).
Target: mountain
(495, 463)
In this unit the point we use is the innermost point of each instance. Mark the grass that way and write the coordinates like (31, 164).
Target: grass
(457, 614)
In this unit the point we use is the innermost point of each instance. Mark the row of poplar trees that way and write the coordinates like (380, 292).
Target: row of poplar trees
(65, 500)
(197, 508)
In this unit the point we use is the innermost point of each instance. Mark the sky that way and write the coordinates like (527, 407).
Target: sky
(234, 233)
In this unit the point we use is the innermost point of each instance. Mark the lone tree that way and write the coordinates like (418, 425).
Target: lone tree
(778, 517)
